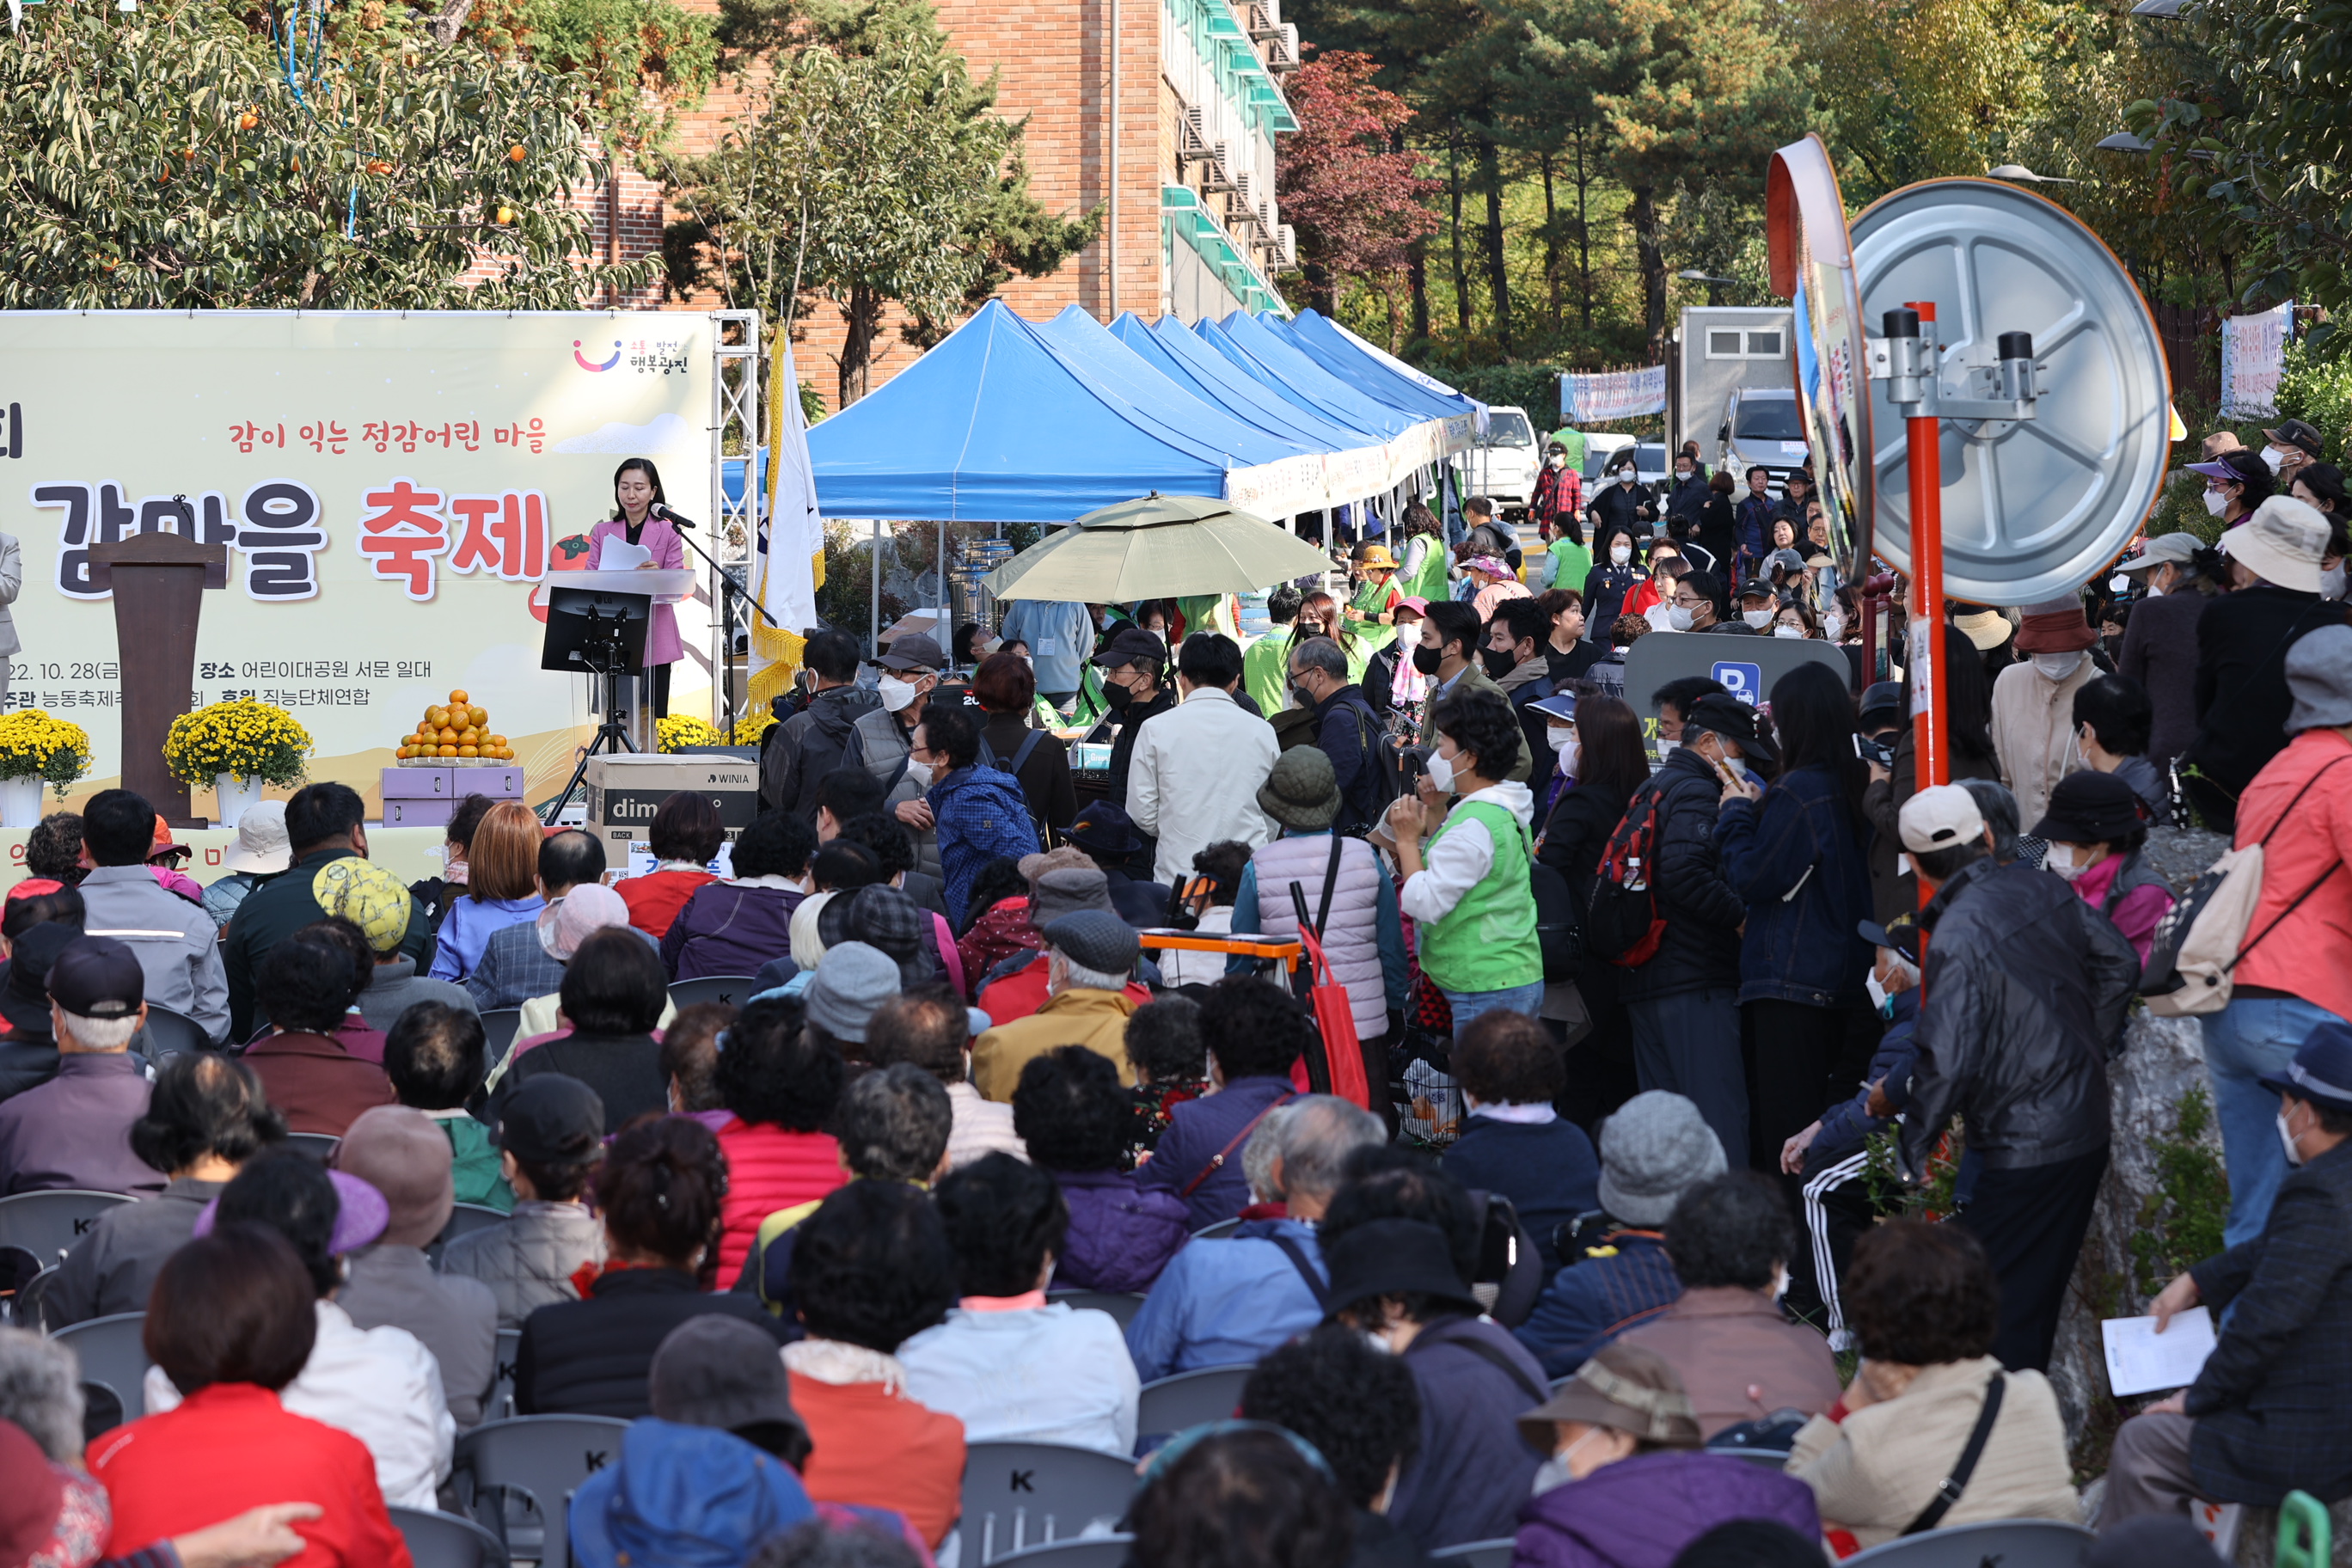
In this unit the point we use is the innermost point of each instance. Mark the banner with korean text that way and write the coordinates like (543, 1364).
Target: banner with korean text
(396, 490)
(1612, 394)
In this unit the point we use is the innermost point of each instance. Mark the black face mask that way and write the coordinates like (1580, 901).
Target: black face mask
(1117, 697)
(1300, 695)
(1499, 661)
(1426, 659)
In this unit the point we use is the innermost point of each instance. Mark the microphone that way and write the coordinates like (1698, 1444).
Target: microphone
(661, 509)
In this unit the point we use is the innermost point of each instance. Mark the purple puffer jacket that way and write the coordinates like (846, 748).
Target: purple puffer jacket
(1120, 1237)
(726, 929)
(1641, 1512)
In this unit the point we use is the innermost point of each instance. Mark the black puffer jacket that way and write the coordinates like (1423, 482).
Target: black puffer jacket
(2027, 986)
(1703, 914)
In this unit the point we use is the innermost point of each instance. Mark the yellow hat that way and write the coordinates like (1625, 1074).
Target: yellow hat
(368, 896)
(1377, 557)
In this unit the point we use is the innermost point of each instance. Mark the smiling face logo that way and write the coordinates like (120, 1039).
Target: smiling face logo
(586, 363)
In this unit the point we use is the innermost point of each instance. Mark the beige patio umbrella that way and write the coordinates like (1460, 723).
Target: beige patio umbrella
(1157, 547)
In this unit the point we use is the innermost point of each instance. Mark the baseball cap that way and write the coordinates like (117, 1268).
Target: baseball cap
(552, 1120)
(2234, 467)
(1939, 817)
(1132, 644)
(97, 977)
(25, 999)
(1734, 721)
(2296, 433)
(916, 650)
(365, 894)
(1883, 700)
(1901, 934)
(164, 847)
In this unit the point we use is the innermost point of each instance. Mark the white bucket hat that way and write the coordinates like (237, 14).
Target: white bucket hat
(2282, 543)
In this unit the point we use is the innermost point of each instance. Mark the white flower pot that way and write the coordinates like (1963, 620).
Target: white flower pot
(20, 801)
(237, 795)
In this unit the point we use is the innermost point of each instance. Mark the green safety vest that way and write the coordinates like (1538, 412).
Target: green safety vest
(1371, 599)
(1428, 579)
(1487, 941)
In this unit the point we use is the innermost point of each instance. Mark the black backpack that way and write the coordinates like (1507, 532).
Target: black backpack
(1622, 923)
(988, 759)
(1388, 763)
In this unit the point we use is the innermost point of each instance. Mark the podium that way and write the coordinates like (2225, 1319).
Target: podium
(634, 688)
(159, 582)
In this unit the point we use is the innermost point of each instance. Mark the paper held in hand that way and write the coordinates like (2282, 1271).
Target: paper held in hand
(2141, 1361)
(617, 554)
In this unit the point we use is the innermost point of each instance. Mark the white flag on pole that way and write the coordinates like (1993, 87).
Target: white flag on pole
(794, 535)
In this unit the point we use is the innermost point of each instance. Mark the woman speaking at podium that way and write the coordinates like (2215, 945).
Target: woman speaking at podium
(640, 519)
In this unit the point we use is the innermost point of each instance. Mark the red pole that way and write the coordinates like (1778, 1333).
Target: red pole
(1924, 461)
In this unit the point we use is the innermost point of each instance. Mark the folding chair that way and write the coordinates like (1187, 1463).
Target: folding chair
(1495, 1553)
(499, 1405)
(1090, 1552)
(734, 990)
(46, 1225)
(1212, 1232)
(447, 1540)
(464, 1219)
(320, 1146)
(1187, 1399)
(114, 1356)
(167, 1033)
(1018, 1495)
(2011, 1542)
(538, 1460)
(1122, 1305)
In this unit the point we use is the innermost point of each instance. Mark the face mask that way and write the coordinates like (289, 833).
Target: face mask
(1738, 766)
(1788, 631)
(1831, 626)
(1302, 697)
(1779, 1282)
(2058, 666)
(1879, 999)
(1441, 773)
(2060, 860)
(1426, 658)
(1558, 461)
(2331, 581)
(1679, 618)
(2274, 459)
(1759, 619)
(2216, 502)
(1626, 479)
(2286, 1141)
(1499, 661)
(1117, 697)
(1552, 1475)
(896, 694)
(1564, 743)
(922, 774)
(1620, 553)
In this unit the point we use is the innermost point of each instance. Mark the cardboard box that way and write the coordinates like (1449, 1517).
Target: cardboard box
(625, 791)
(503, 781)
(400, 812)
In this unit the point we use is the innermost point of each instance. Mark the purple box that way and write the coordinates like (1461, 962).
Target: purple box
(500, 783)
(412, 813)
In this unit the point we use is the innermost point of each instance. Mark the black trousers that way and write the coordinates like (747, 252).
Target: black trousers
(1792, 1048)
(1600, 1075)
(2032, 1220)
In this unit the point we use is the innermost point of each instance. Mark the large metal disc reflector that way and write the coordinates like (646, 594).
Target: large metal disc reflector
(2032, 508)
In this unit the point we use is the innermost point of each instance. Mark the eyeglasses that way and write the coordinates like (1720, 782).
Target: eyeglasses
(1687, 601)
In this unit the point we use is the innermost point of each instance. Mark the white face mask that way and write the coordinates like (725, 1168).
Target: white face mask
(1738, 765)
(1679, 618)
(1759, 619)
(1666, 748)
(1832, 625)
(896, 694)
(1879, 999)
(2058, 666)
(1620, 553)
(1626, 479)
(2286, 1141)
(1562, 738)
(2059, 860)
(2274, 459)
(1441, 771)
(2331, 581)
(1788, 631)
(2216, 502)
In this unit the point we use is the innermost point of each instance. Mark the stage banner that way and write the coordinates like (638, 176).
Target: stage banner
(1612, 394)
(396, 489)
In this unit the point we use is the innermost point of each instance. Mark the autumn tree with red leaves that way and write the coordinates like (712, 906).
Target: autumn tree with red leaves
(1345, 184)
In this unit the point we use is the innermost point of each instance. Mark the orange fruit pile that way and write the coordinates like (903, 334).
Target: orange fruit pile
(457, 729)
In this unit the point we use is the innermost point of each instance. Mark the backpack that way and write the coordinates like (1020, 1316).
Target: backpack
(1622, 923)
(2202, 938)
(1387, 761)
(1020, 754)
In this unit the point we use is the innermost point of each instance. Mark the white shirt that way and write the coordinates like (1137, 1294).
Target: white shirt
(1460, 861)
(1195, 778)
(1034, 1375)
(380, 1386)
(980, 1127)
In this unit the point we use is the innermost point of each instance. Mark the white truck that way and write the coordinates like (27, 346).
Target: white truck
(1505, 465)
(1732, 389)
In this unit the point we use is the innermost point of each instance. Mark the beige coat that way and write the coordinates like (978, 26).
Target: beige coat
(1878, 1471)
(1078, 1016)
(1739, 1358)
(2033, 733)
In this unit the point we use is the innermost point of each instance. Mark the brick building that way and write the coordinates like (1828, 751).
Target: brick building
(1183, 168)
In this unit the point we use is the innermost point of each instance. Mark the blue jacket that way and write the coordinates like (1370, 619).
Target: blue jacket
(1119, 1237)
(1201, 1129)
(1227, 1299)
(1628, 1281)
(1473, 1469)
(1549, 1170)
(1846, 1126)
(687, 1497)
(1796, 858)
(467, 929)
(1752, 526)
(981, 814)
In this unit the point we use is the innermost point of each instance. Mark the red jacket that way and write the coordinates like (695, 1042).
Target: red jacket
(2304, 956)
(997, 936)
(768, 1168)
(880, 1450)
(655, 899)
(318, 1084)
(230, 1447)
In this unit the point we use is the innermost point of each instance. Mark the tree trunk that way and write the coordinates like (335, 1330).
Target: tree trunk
(1583, 233)
(1551, 242)
(1320, 287)
(1453, 232)
(1498, 276)
(861, 318)
(1645, 214)
(1416, 266)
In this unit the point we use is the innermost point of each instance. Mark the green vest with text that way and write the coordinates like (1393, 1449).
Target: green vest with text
(1487, 941)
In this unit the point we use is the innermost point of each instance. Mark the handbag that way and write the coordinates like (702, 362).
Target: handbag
(1335, 1013)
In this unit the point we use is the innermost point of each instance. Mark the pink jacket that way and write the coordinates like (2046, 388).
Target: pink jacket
(2304, 956)
(662, 644)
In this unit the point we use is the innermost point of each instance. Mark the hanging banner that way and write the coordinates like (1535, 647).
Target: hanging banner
(1612, 394)
(2253, 356)
(1812, 258)
(396, 490)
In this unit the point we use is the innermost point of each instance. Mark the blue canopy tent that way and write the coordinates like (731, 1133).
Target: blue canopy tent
(1189, 361)
(1314, 327)
(1296, 377)
(1337, 353)
(1107, 361)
